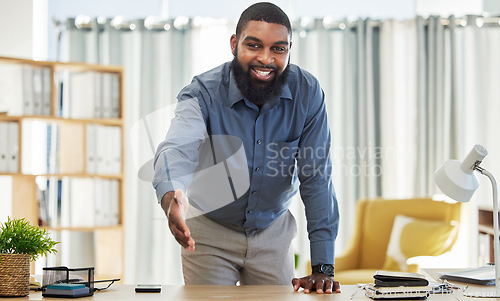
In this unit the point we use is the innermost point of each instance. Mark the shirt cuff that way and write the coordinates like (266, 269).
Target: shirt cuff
(323, 252)
(163, 187)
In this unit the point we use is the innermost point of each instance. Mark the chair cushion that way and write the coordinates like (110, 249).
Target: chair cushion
(353, 277)
(412, 237)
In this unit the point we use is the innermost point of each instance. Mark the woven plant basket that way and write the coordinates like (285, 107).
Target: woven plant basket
(14, 275)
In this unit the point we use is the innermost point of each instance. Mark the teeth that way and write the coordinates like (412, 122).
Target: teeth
(262, 73)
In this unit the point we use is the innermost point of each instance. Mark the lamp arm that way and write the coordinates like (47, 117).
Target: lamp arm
(496, 240)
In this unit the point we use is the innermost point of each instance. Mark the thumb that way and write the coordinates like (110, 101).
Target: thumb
(181, 200)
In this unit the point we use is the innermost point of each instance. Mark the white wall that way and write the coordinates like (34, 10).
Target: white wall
(16, 27)
(447, 7)
(337, 9)
(492, 7)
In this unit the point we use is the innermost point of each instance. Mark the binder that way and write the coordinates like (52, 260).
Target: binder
(115, 147)
(37, 86)
(106, 97)
(11, 85)
(4, 146)
(82, 204)
(53, 148)
(114, 211)
(34, 137)
(28, 107)
(102, 150)
(46, 92)
(82, 93)
(13, 147)
(91, 160)
(98, 105)
(65, 220)
(115, 96)
(99, 199)
(54, 189)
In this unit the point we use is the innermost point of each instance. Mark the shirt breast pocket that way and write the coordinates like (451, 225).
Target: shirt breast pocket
(282, 160)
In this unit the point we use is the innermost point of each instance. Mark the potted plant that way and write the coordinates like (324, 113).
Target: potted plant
(20, 243)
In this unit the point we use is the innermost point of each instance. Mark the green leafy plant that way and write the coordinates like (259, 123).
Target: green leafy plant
(18, 236)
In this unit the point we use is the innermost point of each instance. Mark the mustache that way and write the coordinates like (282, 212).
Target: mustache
(273, 67)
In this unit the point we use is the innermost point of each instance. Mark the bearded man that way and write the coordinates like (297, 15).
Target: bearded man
(246, 137)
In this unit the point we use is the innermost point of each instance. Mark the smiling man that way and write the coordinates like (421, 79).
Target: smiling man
(244, 141)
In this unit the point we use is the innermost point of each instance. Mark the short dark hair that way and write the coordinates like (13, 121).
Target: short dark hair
(263, 11)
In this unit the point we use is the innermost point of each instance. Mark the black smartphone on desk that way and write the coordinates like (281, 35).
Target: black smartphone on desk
(148, 288)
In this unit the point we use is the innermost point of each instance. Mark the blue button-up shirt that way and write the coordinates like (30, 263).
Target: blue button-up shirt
(242, 165)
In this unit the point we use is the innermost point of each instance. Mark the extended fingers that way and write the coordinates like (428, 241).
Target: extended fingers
(181, 233)
(320, 285)
(298, 283)
(309, 285)
(336, 286)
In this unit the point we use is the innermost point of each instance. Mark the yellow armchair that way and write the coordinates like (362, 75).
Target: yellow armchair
(433, 231)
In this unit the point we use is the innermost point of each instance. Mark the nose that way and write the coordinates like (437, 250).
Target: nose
(265, 57)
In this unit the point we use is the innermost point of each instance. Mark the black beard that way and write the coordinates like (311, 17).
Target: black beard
(258, 95)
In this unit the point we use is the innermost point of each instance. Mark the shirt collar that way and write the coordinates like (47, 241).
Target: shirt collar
(234, 94)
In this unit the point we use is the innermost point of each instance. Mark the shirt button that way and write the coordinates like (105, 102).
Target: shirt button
(257, 169)
(259, 141)
(254, 192)
(249, 211)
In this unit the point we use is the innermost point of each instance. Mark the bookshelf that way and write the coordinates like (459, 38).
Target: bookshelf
(62, 157)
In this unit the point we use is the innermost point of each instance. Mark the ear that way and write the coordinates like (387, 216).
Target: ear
(233, 42)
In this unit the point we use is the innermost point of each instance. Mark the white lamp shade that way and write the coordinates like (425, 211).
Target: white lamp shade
(456, 179)
(454, 182)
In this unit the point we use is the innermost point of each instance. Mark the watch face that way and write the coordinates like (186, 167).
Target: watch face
(327, 269)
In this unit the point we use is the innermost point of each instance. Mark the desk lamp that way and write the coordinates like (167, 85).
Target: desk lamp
(457, 180)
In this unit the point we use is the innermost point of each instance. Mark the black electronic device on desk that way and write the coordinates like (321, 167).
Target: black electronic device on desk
(64, 282)
(148, 288)
(390, 285)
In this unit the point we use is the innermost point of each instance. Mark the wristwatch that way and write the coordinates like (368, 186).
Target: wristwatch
(327, 269)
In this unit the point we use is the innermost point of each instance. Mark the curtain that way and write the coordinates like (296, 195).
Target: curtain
(159, 58)
(402, 96)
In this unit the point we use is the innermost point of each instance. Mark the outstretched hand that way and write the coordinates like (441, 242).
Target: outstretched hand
(176, 206)
(318, 282)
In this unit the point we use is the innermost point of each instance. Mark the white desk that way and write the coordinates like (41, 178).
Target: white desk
(200, 292)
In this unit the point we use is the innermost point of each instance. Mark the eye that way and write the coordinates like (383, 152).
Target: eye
(279, 49)
(253, 46)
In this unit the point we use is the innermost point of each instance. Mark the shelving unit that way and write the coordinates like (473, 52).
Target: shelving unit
(61, 142)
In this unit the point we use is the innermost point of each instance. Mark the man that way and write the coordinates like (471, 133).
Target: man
(244, 135)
